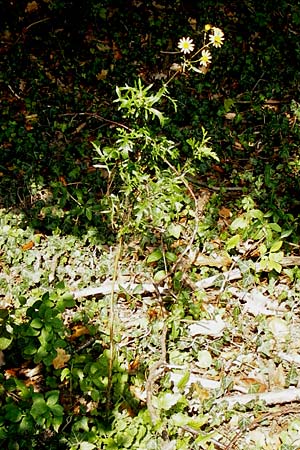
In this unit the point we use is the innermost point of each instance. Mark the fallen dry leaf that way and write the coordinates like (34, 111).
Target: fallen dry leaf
(61, 359)
(31, 7)
(28, 246)
(77, 331)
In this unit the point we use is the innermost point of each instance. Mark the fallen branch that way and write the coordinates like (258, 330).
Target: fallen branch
(270, 398)
(119, 286)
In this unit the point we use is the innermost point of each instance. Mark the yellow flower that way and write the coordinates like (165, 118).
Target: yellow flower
(205, 58)
(217, 37)
(207, 27)
(186, 45)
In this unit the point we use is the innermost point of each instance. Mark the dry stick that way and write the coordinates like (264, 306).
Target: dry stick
(270, 398)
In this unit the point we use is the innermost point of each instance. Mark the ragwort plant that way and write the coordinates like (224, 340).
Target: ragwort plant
(147, 172)
(148, 192)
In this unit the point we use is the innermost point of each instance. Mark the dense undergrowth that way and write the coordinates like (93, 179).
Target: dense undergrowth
(149, 225)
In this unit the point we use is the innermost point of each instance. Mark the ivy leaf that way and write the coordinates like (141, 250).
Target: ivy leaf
(175, 230)
(167, 400)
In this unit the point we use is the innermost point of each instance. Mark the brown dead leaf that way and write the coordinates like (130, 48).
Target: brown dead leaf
(230, 115)
(77, 331)
(217, 168)
(221, 259)
(28, 246)
(225, 213)
(201, 393)
(193, 22)
(116, 51)
(31, 7)
(62, 180)
(61, 358)
(102, 75)
(251, 383)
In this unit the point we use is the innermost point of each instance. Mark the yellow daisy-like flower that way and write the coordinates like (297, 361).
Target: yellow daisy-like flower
(217, 37)
(205, 58)
(186, 45)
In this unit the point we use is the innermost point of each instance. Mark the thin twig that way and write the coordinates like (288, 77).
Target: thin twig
(97, 116)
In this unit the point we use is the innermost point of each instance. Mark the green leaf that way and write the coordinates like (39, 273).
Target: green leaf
(156, 255)
(276, 246)
(86, 446)
(159, 275)
(57, 410)
(204, 359)
(52, 398)
(174, 230)
(36, 323)
(167, 400)
(183, 381)
(5, 342)
(170, 256)
(56, 422)
(39, 407)
(262, 249)
(89, 214)
(13, 413)
(233, 242)
(275, 227)
(239, 222)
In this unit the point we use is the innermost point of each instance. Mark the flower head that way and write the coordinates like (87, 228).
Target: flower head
(205, 58)
(186, 45)
(207, 27)
(217, 37)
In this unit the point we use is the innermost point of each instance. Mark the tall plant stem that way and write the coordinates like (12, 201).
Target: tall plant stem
(112, 347)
